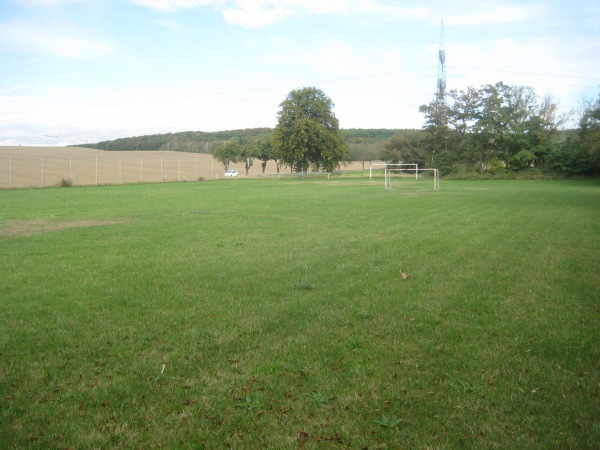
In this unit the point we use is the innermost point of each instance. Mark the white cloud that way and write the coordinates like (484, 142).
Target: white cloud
(32, 37)
(15, 88)
(168, 24)
(132, 110)
(45, 2)
(397, 12)
(261, 13)
(172, 5)
(333, 58)
(490, 13)
(255, 16)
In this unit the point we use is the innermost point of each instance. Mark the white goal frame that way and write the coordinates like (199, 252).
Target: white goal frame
(416, 168)
(436, 178)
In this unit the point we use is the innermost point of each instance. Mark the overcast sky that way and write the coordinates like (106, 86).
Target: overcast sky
(74, 71)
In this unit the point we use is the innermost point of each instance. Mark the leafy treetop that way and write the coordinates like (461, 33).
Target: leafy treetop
(307, 133)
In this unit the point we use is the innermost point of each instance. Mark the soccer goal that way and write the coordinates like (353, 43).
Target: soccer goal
(430, 178)
(409, 168)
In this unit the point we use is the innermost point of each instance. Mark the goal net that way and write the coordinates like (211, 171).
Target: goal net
(425, 179)
(408, 168)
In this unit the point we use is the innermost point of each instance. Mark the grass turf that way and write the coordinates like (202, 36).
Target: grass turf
(263, 313)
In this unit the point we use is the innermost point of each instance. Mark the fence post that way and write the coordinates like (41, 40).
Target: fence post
(180, 168)
(42, 171)
(141, 169)
(96, 171)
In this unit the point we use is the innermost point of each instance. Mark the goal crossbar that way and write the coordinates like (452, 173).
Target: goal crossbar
(435, 172)
(385, 166)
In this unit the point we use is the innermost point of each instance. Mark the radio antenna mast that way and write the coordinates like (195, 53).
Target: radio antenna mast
(441, 83)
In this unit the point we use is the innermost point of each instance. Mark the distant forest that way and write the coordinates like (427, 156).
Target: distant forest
(496, 130)
(186, 141)
(363, 144)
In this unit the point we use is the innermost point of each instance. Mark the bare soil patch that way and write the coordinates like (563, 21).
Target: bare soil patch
(31, 227)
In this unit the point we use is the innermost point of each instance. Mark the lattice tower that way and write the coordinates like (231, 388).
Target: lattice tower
(441, 83)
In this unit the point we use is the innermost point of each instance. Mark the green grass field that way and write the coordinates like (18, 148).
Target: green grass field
(272, 314)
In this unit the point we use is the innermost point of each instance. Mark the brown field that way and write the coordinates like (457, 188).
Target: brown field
(24, 167)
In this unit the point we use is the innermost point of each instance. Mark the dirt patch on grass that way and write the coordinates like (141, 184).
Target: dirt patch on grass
(31, 227)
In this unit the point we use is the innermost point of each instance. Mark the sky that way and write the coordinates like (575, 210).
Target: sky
(79, 71)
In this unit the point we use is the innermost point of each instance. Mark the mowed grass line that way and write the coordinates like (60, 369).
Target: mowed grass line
(262, 313)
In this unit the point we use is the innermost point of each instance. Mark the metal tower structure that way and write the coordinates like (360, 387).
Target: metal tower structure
(441, 82)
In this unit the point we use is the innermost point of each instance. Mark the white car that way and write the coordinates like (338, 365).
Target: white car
(231, 174)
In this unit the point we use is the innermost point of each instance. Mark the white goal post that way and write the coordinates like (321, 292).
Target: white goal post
(385, 166)
(435, 172)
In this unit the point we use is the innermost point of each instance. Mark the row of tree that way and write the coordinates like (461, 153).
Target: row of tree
(246, 150)
(501, 127)
(307, 137)
(491, 129)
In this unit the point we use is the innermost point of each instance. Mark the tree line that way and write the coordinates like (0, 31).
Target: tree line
(503, 128)
(186, 141)
(493, 129)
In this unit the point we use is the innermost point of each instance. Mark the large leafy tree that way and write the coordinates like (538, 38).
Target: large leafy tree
(266, 153)
(228, 152)
(307, 133)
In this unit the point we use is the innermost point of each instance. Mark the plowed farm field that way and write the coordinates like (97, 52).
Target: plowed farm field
(24, 167)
